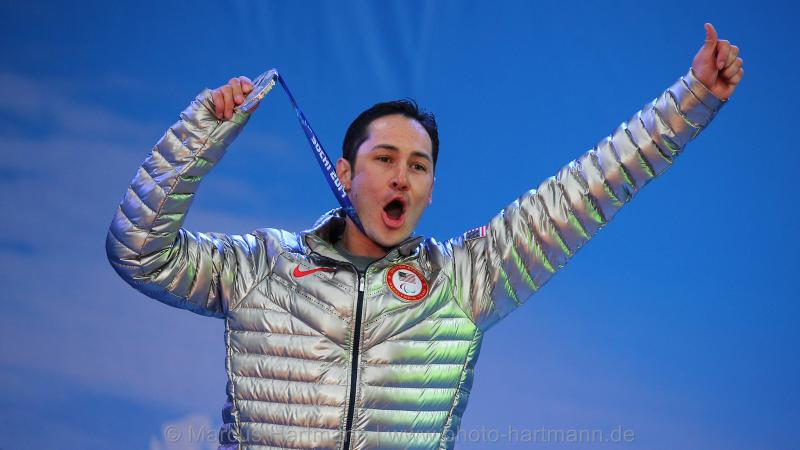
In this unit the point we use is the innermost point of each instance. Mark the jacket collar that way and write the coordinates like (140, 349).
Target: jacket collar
(320, 237)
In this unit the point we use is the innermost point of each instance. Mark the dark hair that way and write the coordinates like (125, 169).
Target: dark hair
(357, 133)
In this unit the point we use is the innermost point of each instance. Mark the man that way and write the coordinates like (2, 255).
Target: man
(341, 339)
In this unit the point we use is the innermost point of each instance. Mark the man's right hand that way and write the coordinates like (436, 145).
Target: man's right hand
(717, 65)
(231, 95)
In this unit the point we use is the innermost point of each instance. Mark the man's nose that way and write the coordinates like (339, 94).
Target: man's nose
(400, 180)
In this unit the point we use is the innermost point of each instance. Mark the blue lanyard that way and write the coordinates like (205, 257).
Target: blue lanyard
(262, 85)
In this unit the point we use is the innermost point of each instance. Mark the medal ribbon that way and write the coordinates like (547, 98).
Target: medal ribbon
(262, 85)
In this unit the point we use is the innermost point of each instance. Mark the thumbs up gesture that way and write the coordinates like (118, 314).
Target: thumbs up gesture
(718, 65)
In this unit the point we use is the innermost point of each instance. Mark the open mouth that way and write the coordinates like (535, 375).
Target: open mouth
(394, 213)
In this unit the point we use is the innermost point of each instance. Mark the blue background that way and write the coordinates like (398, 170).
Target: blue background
(677, 322)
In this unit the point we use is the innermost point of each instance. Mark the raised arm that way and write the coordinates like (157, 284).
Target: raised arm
(146, 244)
(498, 267)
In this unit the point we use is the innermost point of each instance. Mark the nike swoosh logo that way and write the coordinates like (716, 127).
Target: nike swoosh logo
(301, 273)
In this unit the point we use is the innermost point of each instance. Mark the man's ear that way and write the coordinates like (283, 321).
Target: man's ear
(344, 173)
(430, 196)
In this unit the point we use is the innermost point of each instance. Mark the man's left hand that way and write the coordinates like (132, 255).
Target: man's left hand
(718, 65)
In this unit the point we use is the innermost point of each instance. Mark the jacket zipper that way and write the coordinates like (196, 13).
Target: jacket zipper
(354, 363)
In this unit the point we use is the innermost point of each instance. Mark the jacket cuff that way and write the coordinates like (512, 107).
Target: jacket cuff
(702, 92)
(694, 103)
(201, 134)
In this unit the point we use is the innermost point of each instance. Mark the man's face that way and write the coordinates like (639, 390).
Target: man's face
(393, 179)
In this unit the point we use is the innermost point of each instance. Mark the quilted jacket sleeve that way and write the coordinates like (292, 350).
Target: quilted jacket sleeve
(202, 272)
(499, 266)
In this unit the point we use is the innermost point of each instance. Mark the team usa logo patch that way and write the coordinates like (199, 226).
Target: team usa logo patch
(406, 283)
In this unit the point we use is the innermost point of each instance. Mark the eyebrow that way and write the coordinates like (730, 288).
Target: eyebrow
(395, 149)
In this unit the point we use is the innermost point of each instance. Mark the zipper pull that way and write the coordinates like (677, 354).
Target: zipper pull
(360, 283)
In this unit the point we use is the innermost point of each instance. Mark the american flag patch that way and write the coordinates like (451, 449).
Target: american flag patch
(475, 233)
(406, 276)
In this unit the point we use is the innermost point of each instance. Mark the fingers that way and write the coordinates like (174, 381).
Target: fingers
(737, 78)
(734, 52)
(732, 68)
(723, 50)
(236, 89)
(227, 94)
(727, 59)
(219, 103)
(247, 85)
(711, 36)
(223, 102)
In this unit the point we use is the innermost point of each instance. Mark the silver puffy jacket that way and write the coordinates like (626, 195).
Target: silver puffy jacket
(319, 356)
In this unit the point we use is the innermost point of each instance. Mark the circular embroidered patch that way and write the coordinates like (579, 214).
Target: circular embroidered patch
(406, 282)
